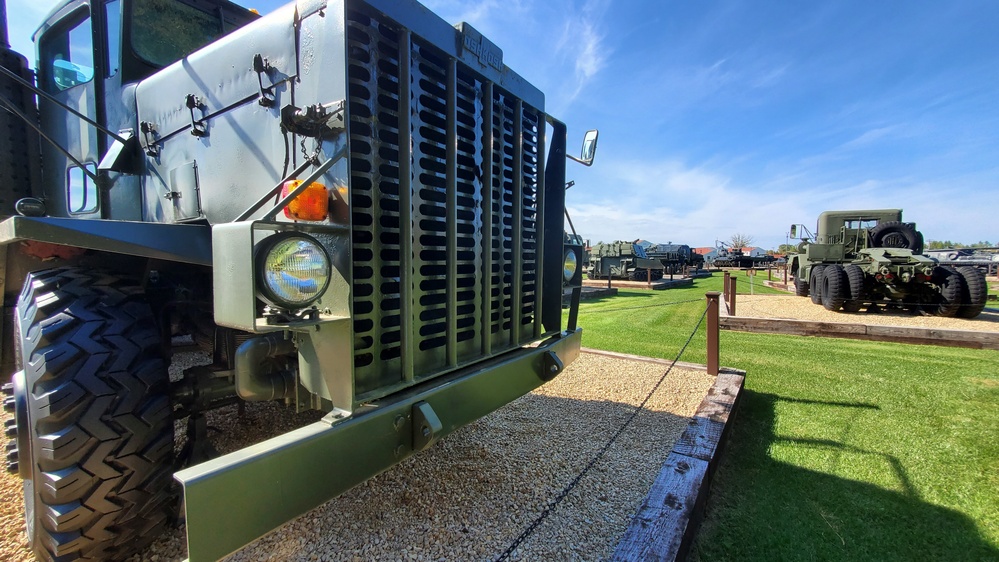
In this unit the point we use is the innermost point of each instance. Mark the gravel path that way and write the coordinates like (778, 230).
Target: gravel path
(801, 308)
(472, 494)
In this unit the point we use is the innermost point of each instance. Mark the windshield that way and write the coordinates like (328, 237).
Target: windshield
(164, 31)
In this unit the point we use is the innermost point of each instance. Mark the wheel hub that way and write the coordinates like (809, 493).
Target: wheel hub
(19, 446)
(894, 240)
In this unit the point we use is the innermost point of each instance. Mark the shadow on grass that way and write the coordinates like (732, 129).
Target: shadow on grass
(621, 295)
(765, 509)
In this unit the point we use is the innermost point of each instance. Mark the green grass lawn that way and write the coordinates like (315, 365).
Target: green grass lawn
(841, 449)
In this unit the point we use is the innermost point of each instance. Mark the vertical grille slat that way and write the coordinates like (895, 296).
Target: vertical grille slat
(445, 188)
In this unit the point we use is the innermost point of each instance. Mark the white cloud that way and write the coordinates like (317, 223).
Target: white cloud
(669, 200)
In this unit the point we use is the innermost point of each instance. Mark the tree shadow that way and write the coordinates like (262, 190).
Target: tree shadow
(766, 509)
(620, 295)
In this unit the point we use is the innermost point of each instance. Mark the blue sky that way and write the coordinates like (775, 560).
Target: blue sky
(731, 117)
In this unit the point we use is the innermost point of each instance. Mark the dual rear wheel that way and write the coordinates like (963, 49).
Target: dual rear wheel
(962, 292)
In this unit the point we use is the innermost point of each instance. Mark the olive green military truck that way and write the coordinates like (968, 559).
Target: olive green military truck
(354, 206)
(871, 258)
(623, 260)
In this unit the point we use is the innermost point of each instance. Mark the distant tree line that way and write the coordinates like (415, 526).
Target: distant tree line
(941, 244)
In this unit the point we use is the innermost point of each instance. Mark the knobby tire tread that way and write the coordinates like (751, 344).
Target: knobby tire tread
(100, 419)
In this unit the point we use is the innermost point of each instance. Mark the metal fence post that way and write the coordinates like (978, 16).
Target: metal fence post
(731, 296)
(712, 332)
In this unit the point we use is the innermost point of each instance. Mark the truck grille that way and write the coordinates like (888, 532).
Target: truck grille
(445, 245)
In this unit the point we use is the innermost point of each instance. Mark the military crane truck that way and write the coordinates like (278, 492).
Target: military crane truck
(356, 207)
(871, 257)
(623, 260)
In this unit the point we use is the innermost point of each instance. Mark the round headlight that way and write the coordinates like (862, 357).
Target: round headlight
(294, 270)
(569, 265)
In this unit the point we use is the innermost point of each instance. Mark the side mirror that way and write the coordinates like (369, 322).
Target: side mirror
(589, 146)
(589, 149)
(794, 231)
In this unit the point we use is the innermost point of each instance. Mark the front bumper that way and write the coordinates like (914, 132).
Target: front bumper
(239, 497)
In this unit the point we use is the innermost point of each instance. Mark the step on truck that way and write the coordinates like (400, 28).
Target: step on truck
(871, 258)
(352, 205)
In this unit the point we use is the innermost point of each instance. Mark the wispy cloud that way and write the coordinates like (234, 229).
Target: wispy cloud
(870, 137)
(667, 200)
(583, 43)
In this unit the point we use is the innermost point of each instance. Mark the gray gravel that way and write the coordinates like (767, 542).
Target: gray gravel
(802, 308)
(473, 493)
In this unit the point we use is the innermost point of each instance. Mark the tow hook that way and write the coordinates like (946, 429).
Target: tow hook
(551, 366)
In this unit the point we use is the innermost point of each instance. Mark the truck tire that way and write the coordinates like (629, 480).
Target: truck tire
(94, 414)
(976, 292)
(815, 284)
(951, 288)
(895, 234)
(800, 286)
(835, 287)
(855, 277)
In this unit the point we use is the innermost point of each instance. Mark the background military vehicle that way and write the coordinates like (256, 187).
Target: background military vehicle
(675, 257)
(623, 260)
(727, 256)
(986, 259)
(344, 201)
(872, 257)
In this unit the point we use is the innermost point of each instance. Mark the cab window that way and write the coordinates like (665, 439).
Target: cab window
(861, 224)
(165, 31)
(68, 55)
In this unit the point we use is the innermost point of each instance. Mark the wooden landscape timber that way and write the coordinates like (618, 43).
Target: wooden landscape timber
(900, 334)
(667, 522)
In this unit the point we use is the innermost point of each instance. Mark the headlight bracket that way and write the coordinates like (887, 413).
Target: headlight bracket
(236, 281)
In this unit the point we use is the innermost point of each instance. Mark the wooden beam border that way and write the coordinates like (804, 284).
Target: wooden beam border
(899, 334)
(667, 522)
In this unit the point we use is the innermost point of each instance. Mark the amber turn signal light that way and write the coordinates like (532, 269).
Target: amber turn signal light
(310, 205)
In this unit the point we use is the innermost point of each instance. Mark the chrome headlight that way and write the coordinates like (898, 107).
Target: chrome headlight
(569, 265)
(294, 270)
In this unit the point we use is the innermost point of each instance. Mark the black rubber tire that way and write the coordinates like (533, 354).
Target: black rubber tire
(835, 287)
(800, 286)
(815, 284)
(951, 289)
(895, 234)
(855, 277)
(976, 292)
(642, 275)
(99, 418)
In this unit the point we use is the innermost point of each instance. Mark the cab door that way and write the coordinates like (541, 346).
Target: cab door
(67, 70)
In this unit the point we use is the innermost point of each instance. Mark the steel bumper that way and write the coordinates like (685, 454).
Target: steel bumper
(236, 498)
